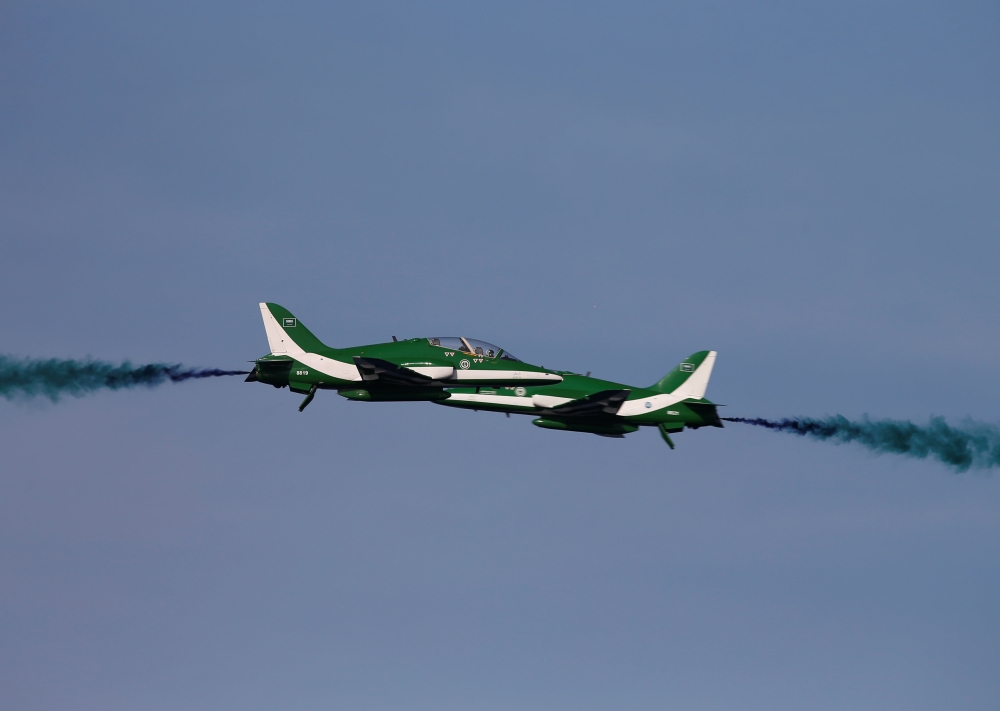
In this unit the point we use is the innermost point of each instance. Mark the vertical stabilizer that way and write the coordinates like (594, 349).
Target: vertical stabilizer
(690, 378)
(285, 334)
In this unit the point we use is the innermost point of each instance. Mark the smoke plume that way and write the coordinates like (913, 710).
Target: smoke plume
(971, 445)
(54, 378)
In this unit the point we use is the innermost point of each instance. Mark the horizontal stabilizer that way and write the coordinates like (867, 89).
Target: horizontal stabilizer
(707, 412)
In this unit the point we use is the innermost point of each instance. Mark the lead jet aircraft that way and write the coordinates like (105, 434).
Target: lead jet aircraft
(414, 369)
(584, 404)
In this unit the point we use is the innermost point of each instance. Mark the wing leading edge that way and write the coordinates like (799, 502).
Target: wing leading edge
(386, 373)
(599, 404)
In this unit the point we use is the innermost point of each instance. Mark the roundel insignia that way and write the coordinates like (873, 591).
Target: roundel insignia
(520, 392)
(648, 404)
(464, 364)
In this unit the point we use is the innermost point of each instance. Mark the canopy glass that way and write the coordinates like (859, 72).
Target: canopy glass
(472, 347)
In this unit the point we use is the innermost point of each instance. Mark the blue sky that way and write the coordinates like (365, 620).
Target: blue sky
(809, 190)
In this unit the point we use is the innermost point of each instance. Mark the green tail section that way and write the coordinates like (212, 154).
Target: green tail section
(690, 376)
(282, 326)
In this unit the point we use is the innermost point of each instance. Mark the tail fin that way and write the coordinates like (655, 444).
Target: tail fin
(690, 378)
(285, 334)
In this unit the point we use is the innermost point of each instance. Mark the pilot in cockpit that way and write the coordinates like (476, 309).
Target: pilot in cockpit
(471, 346)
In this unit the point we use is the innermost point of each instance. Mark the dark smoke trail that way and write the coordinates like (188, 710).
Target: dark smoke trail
(971, 445)
(53, 378)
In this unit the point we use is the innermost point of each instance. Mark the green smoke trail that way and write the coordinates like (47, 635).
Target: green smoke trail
(54, 378)
(971, 445)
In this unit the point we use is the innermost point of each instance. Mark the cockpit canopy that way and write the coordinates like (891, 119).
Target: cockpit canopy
(472, 347)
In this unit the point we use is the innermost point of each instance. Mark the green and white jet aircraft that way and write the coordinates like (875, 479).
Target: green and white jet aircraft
(584, 404)
(414, 369)
(463, 372)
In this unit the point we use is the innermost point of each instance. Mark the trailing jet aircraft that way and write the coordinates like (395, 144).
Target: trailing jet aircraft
(414, 369)
(584, 404)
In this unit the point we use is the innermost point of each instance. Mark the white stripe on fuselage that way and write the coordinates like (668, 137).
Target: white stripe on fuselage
(547, 401)
(631, 408)
(349, 371)
(494, 375)
(432, 372)
(330, 366)
(505, 400)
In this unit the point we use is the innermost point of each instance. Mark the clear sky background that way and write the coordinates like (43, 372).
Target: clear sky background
(810, 190)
